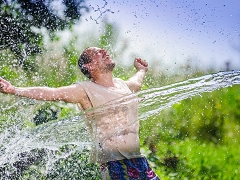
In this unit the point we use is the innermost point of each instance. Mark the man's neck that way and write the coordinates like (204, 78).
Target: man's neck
(105, 80)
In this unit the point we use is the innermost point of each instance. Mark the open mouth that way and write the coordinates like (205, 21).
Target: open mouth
(106, 57)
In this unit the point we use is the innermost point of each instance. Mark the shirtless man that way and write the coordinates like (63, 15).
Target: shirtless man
(115, 128)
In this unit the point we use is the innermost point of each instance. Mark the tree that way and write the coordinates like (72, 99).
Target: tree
(18, 17)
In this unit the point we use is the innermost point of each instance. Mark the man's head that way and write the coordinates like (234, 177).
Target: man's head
(94, 59)
(82, 61)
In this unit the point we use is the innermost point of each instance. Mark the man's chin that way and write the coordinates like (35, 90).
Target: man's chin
(110, 67)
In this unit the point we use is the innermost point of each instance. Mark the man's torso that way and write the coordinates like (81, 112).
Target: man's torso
(113, 121)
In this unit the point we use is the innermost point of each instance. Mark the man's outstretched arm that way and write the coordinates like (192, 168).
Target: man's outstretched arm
(70, 94)
(135, 82)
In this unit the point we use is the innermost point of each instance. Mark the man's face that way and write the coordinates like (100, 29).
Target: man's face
(100, 59)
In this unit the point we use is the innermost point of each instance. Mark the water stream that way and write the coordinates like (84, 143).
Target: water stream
(54, 134)
(156, 99)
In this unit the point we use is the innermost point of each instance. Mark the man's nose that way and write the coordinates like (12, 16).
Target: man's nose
(103, 51)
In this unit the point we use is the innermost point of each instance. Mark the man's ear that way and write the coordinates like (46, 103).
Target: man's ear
(89, 67)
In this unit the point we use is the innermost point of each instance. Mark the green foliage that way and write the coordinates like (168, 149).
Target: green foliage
(190, 159)
(74, 166)
(20, 19)
(45, 114)
(196, 138)
(108, 39)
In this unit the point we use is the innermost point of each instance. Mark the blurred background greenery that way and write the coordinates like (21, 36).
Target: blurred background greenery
(197, 138)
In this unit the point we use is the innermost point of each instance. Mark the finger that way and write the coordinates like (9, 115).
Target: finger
(143, 62)
(139, 60)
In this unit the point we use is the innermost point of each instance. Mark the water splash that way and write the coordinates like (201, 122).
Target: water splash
(54, 134)
(154, 100)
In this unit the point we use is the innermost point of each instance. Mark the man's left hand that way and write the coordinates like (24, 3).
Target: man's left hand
(140, 64)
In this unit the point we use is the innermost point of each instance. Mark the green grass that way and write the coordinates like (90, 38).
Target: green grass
(197, 138)
(190, 159)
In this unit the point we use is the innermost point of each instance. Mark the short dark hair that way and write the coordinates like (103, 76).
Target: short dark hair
(82, 61)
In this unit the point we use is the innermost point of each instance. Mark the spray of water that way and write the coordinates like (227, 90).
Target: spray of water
(156, 99)
(54, 134)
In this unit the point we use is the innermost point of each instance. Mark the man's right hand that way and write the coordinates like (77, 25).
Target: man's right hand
(6, 87)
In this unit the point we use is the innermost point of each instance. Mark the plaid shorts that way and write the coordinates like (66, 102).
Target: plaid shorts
(128, 169)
